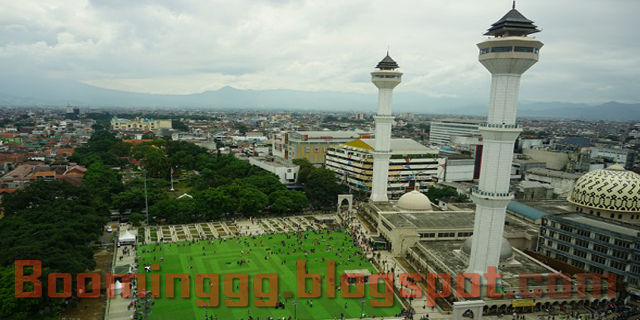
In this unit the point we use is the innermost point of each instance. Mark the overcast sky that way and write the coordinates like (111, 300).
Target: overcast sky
(591, 52)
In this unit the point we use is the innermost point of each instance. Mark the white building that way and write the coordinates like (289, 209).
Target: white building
(287, 172)
(410, 163)
(441, 131)
(623, 157)
(562, 182)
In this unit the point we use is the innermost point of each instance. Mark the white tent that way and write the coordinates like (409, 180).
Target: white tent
(126, 237)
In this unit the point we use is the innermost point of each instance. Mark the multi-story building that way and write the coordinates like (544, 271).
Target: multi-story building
(410, 164)
(311, 145)
(286, 171)
(139, 124)
(594, 245)
(442, 130)
(623, 157)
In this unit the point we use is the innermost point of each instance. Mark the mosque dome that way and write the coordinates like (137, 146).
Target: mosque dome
(506, 252)
(613, 188)
(414, 201)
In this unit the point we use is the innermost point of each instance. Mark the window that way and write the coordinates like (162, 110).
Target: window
(552, 234)
(484, 51)
(596, 270)
(562, 247)
(427, 235)
(501, 49)
(307, 149)
(582, 243)
(620, 254)
(612, 216)
(601, 249)
(619, 216)
(464, 234)
(566, 228)
(584, 233)
(565, 238)
(446, 234)
(602, 238)
(562, 258)
(386, 225)
(621, 243)
(578, 264)
(598, 259)
(618, 265)
(579, 253)
(523, 49)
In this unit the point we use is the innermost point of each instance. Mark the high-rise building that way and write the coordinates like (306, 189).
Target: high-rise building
(507, 54)
(442, 131)
(386, 78)
(411, 166)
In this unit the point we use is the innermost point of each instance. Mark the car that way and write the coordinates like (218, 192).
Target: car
(109, 229)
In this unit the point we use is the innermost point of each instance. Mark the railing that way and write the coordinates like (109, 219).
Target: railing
(477, 191)
(500, 126)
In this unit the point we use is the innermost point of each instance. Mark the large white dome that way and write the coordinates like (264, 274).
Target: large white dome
(414, 201)
(506, 252)
(613, 188)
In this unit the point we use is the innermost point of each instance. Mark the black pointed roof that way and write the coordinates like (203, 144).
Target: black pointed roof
(512, 24)
(387, 63)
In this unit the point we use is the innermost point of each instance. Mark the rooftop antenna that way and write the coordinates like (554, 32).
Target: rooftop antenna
(388, 47)
(514, 4)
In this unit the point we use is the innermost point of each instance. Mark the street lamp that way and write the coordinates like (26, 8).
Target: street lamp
(362, 308)
(146, 201)
(148, 301)
(295, 309)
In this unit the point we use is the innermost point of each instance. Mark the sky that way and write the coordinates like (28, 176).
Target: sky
(591, 52)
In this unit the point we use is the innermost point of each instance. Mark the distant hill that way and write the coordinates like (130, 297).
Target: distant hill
(45, 92)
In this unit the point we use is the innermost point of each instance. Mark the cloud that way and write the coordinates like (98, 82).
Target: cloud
(162, 46)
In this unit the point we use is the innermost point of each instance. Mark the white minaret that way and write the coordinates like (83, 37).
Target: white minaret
(507, 54)
(385, 78)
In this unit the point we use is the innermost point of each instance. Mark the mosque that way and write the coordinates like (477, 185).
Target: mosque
(457, 238)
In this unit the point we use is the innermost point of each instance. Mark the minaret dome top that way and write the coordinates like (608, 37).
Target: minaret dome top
(387, 63)
(512, 24)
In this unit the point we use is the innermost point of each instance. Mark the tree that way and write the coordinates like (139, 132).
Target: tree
(136, 219)
(322, 188)
(283, 201)
(176, 211)
(267, 183)
(102, 181)
(305, 169)
(445, 193)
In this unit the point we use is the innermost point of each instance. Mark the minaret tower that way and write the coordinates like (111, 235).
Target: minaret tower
(507, 54)
(385, 78)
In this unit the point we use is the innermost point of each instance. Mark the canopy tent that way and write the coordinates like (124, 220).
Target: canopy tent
(126, 237)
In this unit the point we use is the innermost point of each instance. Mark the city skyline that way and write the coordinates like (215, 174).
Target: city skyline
(176, 48)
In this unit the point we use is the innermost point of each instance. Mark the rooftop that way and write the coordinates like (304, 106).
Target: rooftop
(601, 223)
(387, 63)
(554, 173)
(512, 24)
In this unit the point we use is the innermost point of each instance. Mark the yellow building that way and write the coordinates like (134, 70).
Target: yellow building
(311, 145)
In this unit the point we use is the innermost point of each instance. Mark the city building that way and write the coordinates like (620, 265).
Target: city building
(561, 182)
(612, 193)
(623, 157)
(286, 171)
(139, 124)
(410, 164)
(593, 244)
(441, 131)
(311, 145)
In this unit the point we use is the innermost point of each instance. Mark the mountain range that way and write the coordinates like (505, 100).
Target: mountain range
(44, 92)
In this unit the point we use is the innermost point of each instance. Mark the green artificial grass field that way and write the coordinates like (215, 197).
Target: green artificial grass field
(222, 258)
